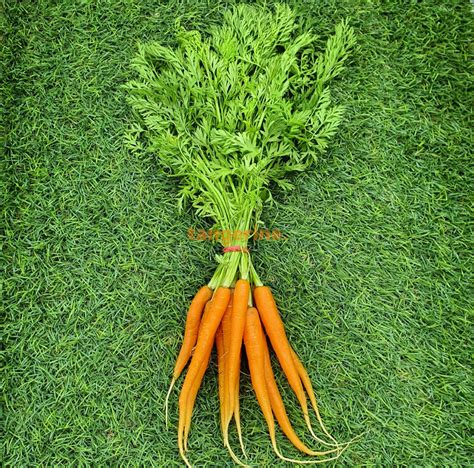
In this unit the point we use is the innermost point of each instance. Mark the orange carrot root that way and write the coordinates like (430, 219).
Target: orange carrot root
(236, 333)
(276, 332)
(209, 324)
(228, 322)
(192, 397)
(221, 371)
(191, 329)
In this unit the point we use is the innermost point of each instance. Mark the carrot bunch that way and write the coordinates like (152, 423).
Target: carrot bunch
(231, 318)
(230, 116)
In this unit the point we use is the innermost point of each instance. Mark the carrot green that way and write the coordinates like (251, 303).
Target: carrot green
(232, 113)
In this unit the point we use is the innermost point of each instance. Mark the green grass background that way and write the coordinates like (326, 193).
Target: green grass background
(373, 280)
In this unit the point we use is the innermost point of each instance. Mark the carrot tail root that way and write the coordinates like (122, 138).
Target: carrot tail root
(237, 423)
(173, 381)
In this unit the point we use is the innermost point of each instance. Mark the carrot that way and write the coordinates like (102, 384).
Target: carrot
(309, 390)
(276, 332)
(226, 335)
(205, 342)
(191, 329)
(255, 348)
(279, 410)
(227, 405)
(194, 388)
(221, 371)
(253, 340)
(239, 312)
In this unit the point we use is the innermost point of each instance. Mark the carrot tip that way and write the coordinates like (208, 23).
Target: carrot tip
(239, 434)
(234, 456)
(323, 427)
(315, 437)
(306, 381)
(320, 421)
(183, 456)
(307, 462)
(167, 400)
(180, 444)
(187, 428)
(241, 442)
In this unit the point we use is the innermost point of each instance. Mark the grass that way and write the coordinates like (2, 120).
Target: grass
(373, 280)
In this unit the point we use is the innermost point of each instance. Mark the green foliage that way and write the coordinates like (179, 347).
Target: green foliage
(239, 109)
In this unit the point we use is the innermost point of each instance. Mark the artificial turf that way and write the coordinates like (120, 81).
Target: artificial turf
(373, 279)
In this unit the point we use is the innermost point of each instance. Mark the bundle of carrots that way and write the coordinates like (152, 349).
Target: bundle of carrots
(231, 115)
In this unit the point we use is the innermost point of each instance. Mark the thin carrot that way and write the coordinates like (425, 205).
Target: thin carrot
(227, 405)
(221, 371)
(254, 346)
(196, 384)
(205, 341)
(227, 337)
(191, 330)
(239, 312)
(309, 390)
(222, 395)
(279, 410)
(276, 332)
(253, 340)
